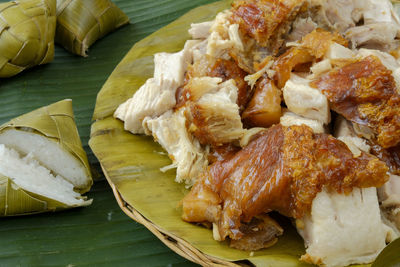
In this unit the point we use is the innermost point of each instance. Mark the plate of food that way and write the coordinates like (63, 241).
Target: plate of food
(260, 132)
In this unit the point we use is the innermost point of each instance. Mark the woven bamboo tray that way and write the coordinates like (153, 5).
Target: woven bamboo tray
(178, 245)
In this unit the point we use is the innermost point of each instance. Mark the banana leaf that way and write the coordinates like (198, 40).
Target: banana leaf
(27, 29)
(80, 23)
(15, 201)
(390, 256)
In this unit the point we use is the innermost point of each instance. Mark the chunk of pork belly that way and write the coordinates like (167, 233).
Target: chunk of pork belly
(387, 60)
(344, 132)
(306, 101)
(289, 118)
(343, 229)
(389, 193)
(264, 108)
(312, 47)
(219, 68)
(266, 21)
(364, 92)
(282, 169)
(214, 118)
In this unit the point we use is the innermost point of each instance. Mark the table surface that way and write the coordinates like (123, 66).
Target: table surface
(101, 234)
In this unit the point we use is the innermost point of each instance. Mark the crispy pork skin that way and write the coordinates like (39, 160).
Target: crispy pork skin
(364, 92)
(267, 21)
(282, 170)
(212, 113)
(391, 156)
(313, 46)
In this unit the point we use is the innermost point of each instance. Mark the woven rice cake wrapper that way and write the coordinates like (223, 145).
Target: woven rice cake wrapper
(43, 166)
(26, 35)
(81, 23)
